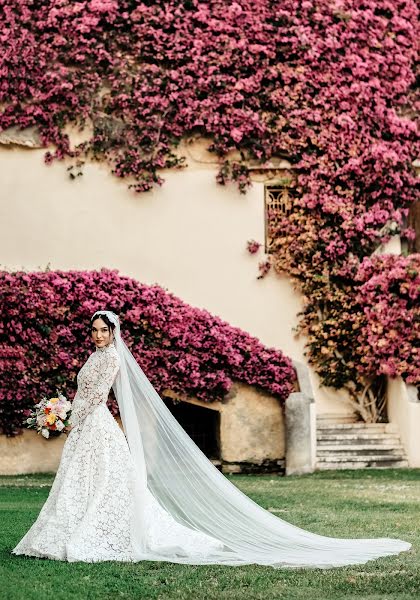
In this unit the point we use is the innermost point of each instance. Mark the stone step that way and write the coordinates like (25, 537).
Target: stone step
(337, 418)
(325, 466)
(358, 442)
(368, 449)
(360, 436)
(358, 458)
(363, 455)
(357, 425)
(371, 427)
(355, 432)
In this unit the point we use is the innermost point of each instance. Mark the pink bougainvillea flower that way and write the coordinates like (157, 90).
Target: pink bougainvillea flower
(181, 348)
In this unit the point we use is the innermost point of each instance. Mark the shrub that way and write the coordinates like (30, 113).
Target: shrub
(45, 339)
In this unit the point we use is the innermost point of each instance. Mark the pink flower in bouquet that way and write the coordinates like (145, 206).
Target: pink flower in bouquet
(50, 416)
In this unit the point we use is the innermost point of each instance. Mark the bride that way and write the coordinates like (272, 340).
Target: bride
(151, 494)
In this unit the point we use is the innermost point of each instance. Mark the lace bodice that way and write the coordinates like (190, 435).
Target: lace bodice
(94, 382)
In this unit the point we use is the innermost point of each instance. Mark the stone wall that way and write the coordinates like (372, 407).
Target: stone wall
(29, 453)
(252, 437)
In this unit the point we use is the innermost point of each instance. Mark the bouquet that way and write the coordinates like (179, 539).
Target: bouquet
(50, 416)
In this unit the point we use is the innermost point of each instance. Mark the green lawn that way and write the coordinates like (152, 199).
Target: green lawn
(344, 504)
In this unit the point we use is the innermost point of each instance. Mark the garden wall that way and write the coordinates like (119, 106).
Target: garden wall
(252, 437)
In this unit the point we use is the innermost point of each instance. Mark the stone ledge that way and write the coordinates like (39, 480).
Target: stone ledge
(28, 137)
(334, 466)
(247, 468)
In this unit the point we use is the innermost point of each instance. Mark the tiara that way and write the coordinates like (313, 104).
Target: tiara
(111, 315)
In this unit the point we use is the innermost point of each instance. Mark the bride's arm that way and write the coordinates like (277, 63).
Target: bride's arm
(95, 388)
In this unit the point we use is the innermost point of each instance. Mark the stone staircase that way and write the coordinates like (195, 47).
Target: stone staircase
(358, 445)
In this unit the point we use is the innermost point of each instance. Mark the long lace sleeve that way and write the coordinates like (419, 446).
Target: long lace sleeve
(94, 384)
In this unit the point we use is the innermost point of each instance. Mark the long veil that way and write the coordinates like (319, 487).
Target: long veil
(197, 495)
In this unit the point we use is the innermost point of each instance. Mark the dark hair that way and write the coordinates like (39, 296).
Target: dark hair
(104, 318)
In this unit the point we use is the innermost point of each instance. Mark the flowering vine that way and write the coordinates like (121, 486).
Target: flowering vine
(390, 296)
(45, 338)
(367, 328)
(327, 83)
(253, 246)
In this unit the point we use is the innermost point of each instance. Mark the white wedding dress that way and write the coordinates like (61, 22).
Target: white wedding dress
(89, 512)
(158, 497)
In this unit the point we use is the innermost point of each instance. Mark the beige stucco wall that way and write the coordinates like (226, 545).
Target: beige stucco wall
(404, 411)
(188, 236)
(30, 453)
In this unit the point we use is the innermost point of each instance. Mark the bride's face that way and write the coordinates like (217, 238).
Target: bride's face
(101, 333)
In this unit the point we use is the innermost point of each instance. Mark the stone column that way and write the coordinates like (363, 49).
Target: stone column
(300, 434)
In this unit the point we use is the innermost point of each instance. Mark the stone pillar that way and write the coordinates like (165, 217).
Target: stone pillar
(300, 434)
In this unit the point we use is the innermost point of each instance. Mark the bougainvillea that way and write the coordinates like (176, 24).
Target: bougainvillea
(45, 338)
(316, 80)
(367, 327)
(253, 246)
(328, 83)
(390, 296)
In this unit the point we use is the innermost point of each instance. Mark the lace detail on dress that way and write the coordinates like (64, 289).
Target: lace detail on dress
(89, 513)
(94, 382)
(165, 537)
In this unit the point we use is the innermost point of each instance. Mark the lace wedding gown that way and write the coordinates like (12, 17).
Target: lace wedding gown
(103, 504)
(89, 513)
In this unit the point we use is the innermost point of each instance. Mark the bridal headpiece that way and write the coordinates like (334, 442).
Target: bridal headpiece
(111, 316)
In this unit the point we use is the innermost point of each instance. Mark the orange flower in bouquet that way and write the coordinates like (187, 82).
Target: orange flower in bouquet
(50, 416)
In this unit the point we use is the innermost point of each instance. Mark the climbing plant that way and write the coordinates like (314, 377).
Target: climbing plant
(328, 83)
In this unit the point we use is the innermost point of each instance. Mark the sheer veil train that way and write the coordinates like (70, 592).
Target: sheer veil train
(197, 495)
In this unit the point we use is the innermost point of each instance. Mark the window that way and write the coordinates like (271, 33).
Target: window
(414, 223)
(278, 203)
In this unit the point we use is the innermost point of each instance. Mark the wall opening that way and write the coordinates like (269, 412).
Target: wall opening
(201, 424)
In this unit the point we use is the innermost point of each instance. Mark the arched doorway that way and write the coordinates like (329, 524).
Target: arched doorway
(201, 424)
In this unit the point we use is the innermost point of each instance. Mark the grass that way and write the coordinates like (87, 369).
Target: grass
(370, 503)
